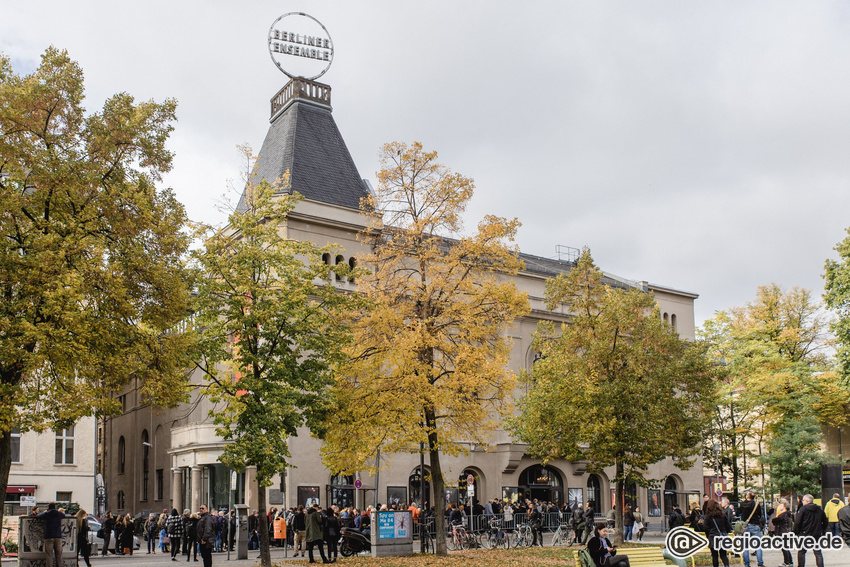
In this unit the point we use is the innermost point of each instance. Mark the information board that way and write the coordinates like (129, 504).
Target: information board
(394, 525)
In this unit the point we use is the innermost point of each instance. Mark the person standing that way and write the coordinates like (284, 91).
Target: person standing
(52, 519)
(108, 526)
(810, 521)
(831, 510)
(174, 528)
(299, 527)
(628, 523)
(127, 543)
(190, 532)
(753, 511)
(782, 525)
(119, 529)
(151, 532)
(728, 511)
(716, 526)
(314, 532)
(83, 544)
(332, 530)
(535, 521)
(206, 535)
(588, 518)
(844, 524)
(639, 524)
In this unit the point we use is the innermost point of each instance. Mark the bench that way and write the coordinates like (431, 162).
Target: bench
(638, 556)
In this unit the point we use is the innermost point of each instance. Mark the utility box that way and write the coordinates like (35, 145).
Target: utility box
(241, 531)
(31, 542)
(392, 533)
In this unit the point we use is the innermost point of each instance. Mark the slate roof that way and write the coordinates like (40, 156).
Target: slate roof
(305, 140)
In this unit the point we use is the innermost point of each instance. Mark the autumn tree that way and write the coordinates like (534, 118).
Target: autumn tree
(776, 366)
(428, 363)
(269, 333)
(91, 260)
(614, 385)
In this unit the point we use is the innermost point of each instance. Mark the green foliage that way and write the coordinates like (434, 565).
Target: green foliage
(269, 333)
(614, 385)
(92, 279)
(837, 298)
(794, 456)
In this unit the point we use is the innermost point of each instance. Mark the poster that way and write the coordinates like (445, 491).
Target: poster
(654, 499)
(394, 525)
(575, 498)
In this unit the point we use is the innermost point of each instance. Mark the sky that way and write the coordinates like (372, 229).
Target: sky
(703, 146)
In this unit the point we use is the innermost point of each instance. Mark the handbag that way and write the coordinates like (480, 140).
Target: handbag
(99, 533)
(740, 525)
(638, 526)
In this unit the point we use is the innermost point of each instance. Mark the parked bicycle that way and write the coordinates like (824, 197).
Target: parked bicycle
(563, 535)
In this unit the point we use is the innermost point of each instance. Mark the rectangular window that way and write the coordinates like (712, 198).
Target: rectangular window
(16, 445)
(308, 495)
(159, 479)
(65, 446)
(145, 486)
(63, 496)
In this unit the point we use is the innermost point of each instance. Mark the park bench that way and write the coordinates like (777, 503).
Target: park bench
(638, 556)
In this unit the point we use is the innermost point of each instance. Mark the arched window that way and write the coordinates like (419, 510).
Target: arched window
(671, 493)
(462, 483)
(342, 491)
(122, 455)
(541, 482)
(326, 260)
(673, 322)
(414, 487)
(594, 493)
(340, 261)
(666, 318)
(352, 263)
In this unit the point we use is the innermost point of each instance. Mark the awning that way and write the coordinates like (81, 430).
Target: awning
(21, 489)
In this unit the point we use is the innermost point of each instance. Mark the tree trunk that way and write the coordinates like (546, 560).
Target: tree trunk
(263, 528)
(5, 466)
(618, 513)
(437, 483)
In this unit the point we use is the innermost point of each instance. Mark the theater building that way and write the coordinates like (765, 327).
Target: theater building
(156, 459)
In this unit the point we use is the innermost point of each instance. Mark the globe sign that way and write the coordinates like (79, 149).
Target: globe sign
(300, 46)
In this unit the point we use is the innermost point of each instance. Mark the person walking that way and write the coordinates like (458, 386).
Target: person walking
(810, 521)
(831, 510)
(83, 544)
(716, 526)
(107, 527)
(162, 528)
(174, 529)
(314, 532)
(753, 511)
(206, 535)
(52, 519)
(588, 518)
(639, 525)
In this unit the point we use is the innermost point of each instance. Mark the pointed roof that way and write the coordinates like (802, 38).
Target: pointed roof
(303, 139)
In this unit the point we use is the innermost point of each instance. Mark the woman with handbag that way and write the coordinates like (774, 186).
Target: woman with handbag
(716, 526)
(602, 551)
(639, 527)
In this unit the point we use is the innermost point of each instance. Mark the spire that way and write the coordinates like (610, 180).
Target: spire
(304, 139)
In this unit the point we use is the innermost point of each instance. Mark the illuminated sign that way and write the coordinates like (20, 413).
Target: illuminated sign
(300, 46)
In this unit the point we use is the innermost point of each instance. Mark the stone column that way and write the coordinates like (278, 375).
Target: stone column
(196, 488)
(177, 489)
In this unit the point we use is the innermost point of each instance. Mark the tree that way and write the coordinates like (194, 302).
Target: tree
(428, 363)
(774, 352)
(837, 298)
(795, 456)
(92, 278)
(614, 385)
(269, 333)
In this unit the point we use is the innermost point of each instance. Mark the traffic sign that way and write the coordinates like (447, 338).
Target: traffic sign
(27, 500)
(232, 480)
(470, 480)
(358, 483)
(470, 491)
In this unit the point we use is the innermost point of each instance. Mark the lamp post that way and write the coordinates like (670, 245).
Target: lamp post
(717, 464)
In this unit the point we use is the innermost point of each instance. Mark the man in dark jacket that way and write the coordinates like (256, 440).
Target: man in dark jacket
(52, 535)
(206, 535)
(315, 532)
(844, 524)
(108, 526)
(810, 521)
(588, 518)
(676, 517)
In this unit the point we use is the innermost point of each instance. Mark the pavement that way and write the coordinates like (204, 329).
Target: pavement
(832, 558)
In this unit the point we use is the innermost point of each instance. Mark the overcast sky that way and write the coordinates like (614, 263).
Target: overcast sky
(703, 146)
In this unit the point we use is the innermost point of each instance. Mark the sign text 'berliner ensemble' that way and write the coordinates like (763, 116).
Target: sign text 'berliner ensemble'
(300, 46)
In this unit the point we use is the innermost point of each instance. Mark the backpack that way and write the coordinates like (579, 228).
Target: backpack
(676, 519)
(584, 558)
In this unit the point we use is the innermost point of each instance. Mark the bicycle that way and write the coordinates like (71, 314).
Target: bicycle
(522, 536)
(5, 539)
(495, 537)
(564, 534)
(426, 537)
(459, 539)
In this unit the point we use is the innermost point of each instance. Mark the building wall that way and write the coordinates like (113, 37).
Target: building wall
(38, 467)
